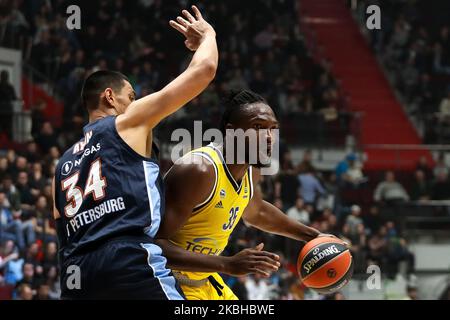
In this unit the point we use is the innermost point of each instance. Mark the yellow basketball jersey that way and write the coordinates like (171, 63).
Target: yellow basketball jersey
(208, 229)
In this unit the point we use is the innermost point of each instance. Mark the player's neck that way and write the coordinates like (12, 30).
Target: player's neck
(237, 170)
(97, 114)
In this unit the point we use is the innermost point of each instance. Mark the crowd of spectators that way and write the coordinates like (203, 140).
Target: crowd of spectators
(28, 244)
(413, 44)
(263, 50)
(133, 37)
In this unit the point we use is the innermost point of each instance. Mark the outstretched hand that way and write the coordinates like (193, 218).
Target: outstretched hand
(333, 236)
(253, 261)
(195, 29)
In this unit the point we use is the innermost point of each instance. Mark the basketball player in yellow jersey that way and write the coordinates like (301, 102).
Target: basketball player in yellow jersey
(205, 200)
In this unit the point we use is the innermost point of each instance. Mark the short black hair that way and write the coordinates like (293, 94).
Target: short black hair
(234, 101)
(96, 83)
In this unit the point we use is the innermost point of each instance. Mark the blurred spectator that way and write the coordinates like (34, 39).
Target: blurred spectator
(257, 288)
(441, 187)
(349, 172)
(26, 196)
(7, 254)
(306, 163)
(28, 276)
(397, 252)
(444, 109)
(420, 189)
(46, 137)
(12, 228)
(25, 292)
(310, 187)
(53, 281)
(354, 219)
(389, 190)
(50, 257)
(423, 166)
(373, 221)
(298, 212)
(378, 245)
(43, 292)
(287, 188)
(7, 96)
(441, 166)
(12, 194)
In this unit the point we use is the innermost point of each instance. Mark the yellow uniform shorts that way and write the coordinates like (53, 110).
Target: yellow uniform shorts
(214, 289)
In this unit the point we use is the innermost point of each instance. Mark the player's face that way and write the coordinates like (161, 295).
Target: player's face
(261, 118)
(125, 97)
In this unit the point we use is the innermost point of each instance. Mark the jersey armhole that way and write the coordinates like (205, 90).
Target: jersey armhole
(213, 191)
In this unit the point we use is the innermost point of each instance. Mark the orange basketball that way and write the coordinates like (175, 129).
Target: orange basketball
(325, 264)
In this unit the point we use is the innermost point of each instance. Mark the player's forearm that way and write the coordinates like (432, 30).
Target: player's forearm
(184, 260)
(271, 219)
(206, 58)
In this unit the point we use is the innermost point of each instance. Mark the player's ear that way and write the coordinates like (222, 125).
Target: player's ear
(109, 97)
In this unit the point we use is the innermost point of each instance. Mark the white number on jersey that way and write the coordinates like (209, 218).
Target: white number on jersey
(95, 184)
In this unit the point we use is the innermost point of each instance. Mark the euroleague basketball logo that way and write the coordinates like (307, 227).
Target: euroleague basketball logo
(331, 273)
(66, 168)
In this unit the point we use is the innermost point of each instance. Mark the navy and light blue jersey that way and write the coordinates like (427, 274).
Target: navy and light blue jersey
(104, 189)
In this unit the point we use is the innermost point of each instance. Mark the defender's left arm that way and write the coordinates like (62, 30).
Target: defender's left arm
(265, 216)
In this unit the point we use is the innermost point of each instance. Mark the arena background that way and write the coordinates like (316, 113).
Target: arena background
(365, 122)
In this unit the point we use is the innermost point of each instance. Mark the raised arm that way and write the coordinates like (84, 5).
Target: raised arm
(186, 186)
(148, 111)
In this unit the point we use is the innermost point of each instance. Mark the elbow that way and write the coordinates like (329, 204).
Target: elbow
(249, 222)
(207, 71)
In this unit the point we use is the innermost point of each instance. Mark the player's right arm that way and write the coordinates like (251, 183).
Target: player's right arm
(186, 186)
(148, 111)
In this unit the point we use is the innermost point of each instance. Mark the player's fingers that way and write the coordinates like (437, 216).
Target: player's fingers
(189, 16)
(263, 265)
(260, 272)
(178, 27)
(267, 254)
(271, 261)
(197, 13)
(182, 21)
(259, 247)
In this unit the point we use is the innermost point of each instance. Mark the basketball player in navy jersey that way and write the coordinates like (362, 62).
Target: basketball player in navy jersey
(108, 192)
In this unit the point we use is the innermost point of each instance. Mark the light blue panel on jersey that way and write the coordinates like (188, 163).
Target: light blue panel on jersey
(151, 171)
(158, 264)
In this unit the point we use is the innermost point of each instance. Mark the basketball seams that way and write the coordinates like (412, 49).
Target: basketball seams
(346, 271)
(336, 285)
